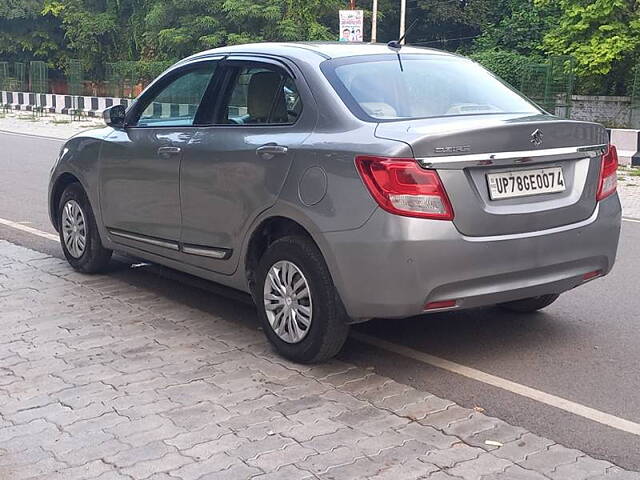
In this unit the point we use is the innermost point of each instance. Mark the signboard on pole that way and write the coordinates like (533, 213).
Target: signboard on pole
(351, 23)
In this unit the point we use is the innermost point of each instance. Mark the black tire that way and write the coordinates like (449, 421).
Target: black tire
(95, 257)
(530, 305)
(329, 326)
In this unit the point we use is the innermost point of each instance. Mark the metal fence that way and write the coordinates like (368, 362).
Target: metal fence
(123, 79)
(634, 115)
(550, 84)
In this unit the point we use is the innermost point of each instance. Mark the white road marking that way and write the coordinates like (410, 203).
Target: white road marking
(31, 230)
(504, 384)
(508, 385)
(634, 220)
(46, 137)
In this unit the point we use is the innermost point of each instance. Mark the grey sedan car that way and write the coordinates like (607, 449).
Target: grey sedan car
(339, 182)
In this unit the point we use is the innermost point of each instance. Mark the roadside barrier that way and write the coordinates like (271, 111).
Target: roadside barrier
(627, 141)
(53, 103)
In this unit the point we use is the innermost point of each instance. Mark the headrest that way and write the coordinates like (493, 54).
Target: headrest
(264, 87)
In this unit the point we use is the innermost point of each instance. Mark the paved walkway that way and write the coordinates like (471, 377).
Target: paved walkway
(629, 191)
(103, 380)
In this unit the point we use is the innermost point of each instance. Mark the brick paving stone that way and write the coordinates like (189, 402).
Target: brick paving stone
(548, 460)
(105, 379)
(304, 432)
(479, 467)
(444, 418)
(518, 450)
(583, 468)
(410, 470)
(616, 473)
(196, 470)
(289, 454)
(323, 462)
(131, 456)
(191, 438)
(145, 469)
(515, 472)
(450, 457)
(207, 449)
(342, 438)
(288, 472)
(239, 471)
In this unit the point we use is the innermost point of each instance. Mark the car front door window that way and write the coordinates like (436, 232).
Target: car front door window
(177, 103)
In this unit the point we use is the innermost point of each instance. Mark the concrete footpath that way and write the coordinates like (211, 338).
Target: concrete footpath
(100, 379)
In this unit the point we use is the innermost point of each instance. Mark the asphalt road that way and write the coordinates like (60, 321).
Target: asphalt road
(584, 348)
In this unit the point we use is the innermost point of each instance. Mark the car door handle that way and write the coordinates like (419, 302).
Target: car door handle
(271, 150)
(168, 151)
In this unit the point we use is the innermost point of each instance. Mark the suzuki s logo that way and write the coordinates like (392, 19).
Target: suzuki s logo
(536, 137)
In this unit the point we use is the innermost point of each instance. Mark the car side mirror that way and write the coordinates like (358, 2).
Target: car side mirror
(114, 116)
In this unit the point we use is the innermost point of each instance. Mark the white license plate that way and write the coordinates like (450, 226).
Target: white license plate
(520, 183)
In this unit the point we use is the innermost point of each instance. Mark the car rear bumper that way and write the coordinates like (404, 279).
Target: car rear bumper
(393, 266)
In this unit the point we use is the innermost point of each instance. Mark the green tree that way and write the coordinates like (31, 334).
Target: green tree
(26, 35)
(604, 38)
(517, 25)
(507, 65)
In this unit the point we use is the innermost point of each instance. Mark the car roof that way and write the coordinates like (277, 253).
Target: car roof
(326, 50)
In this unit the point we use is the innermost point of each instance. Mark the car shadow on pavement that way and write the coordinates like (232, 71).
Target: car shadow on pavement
(472, 334)
(466, 335)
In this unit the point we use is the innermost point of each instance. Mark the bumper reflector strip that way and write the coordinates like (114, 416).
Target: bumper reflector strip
(440, 304)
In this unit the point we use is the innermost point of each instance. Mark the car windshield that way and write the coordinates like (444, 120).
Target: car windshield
(427, 86)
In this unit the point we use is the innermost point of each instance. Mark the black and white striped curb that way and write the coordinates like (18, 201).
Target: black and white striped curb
(53, 103)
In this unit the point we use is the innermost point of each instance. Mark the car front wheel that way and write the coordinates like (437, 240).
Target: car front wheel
(299, 307)
(530, 305)
(78, 232)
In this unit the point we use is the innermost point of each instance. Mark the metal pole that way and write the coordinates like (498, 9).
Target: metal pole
(403, 13)
(374, 22)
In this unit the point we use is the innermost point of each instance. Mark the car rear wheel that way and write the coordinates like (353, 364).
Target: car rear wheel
(298, 305)
(79, 235)
(530, 305)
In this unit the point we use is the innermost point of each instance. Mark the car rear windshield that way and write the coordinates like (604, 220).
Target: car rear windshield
(377, 87)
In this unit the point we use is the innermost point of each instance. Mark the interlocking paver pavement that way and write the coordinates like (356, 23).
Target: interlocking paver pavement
(103, 380)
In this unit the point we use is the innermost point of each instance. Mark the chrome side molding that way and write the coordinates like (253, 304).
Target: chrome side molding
(144, 239)
(219, 253)
(455, 162)
(211, 252)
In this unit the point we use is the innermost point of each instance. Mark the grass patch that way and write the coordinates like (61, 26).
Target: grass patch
(28, 118)
(633, 172)
(60, 121)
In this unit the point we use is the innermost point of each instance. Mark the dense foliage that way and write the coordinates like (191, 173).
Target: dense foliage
(602, 36)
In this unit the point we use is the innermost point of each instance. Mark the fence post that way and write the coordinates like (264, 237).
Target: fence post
(75, 80)
(634, 110)
(39, 79)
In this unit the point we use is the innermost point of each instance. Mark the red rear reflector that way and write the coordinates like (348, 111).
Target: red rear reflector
(402, 187)
(440, 304)
(591, 275)
(608, 173)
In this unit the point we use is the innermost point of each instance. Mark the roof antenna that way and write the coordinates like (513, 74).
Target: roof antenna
(396, 45)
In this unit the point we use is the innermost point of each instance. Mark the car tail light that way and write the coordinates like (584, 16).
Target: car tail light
(402, 187)
(608, 173)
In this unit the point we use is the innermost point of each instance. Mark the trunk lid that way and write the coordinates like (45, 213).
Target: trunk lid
(465, 149)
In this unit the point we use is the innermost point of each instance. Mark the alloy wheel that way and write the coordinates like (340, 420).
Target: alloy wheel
(74, 230)
(287, 301)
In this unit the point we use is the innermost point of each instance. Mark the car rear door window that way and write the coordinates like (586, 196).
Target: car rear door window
(177, 103)
(261, 96)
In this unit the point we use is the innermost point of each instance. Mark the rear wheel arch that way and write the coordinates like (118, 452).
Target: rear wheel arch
(267, 232)
(62, 182)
